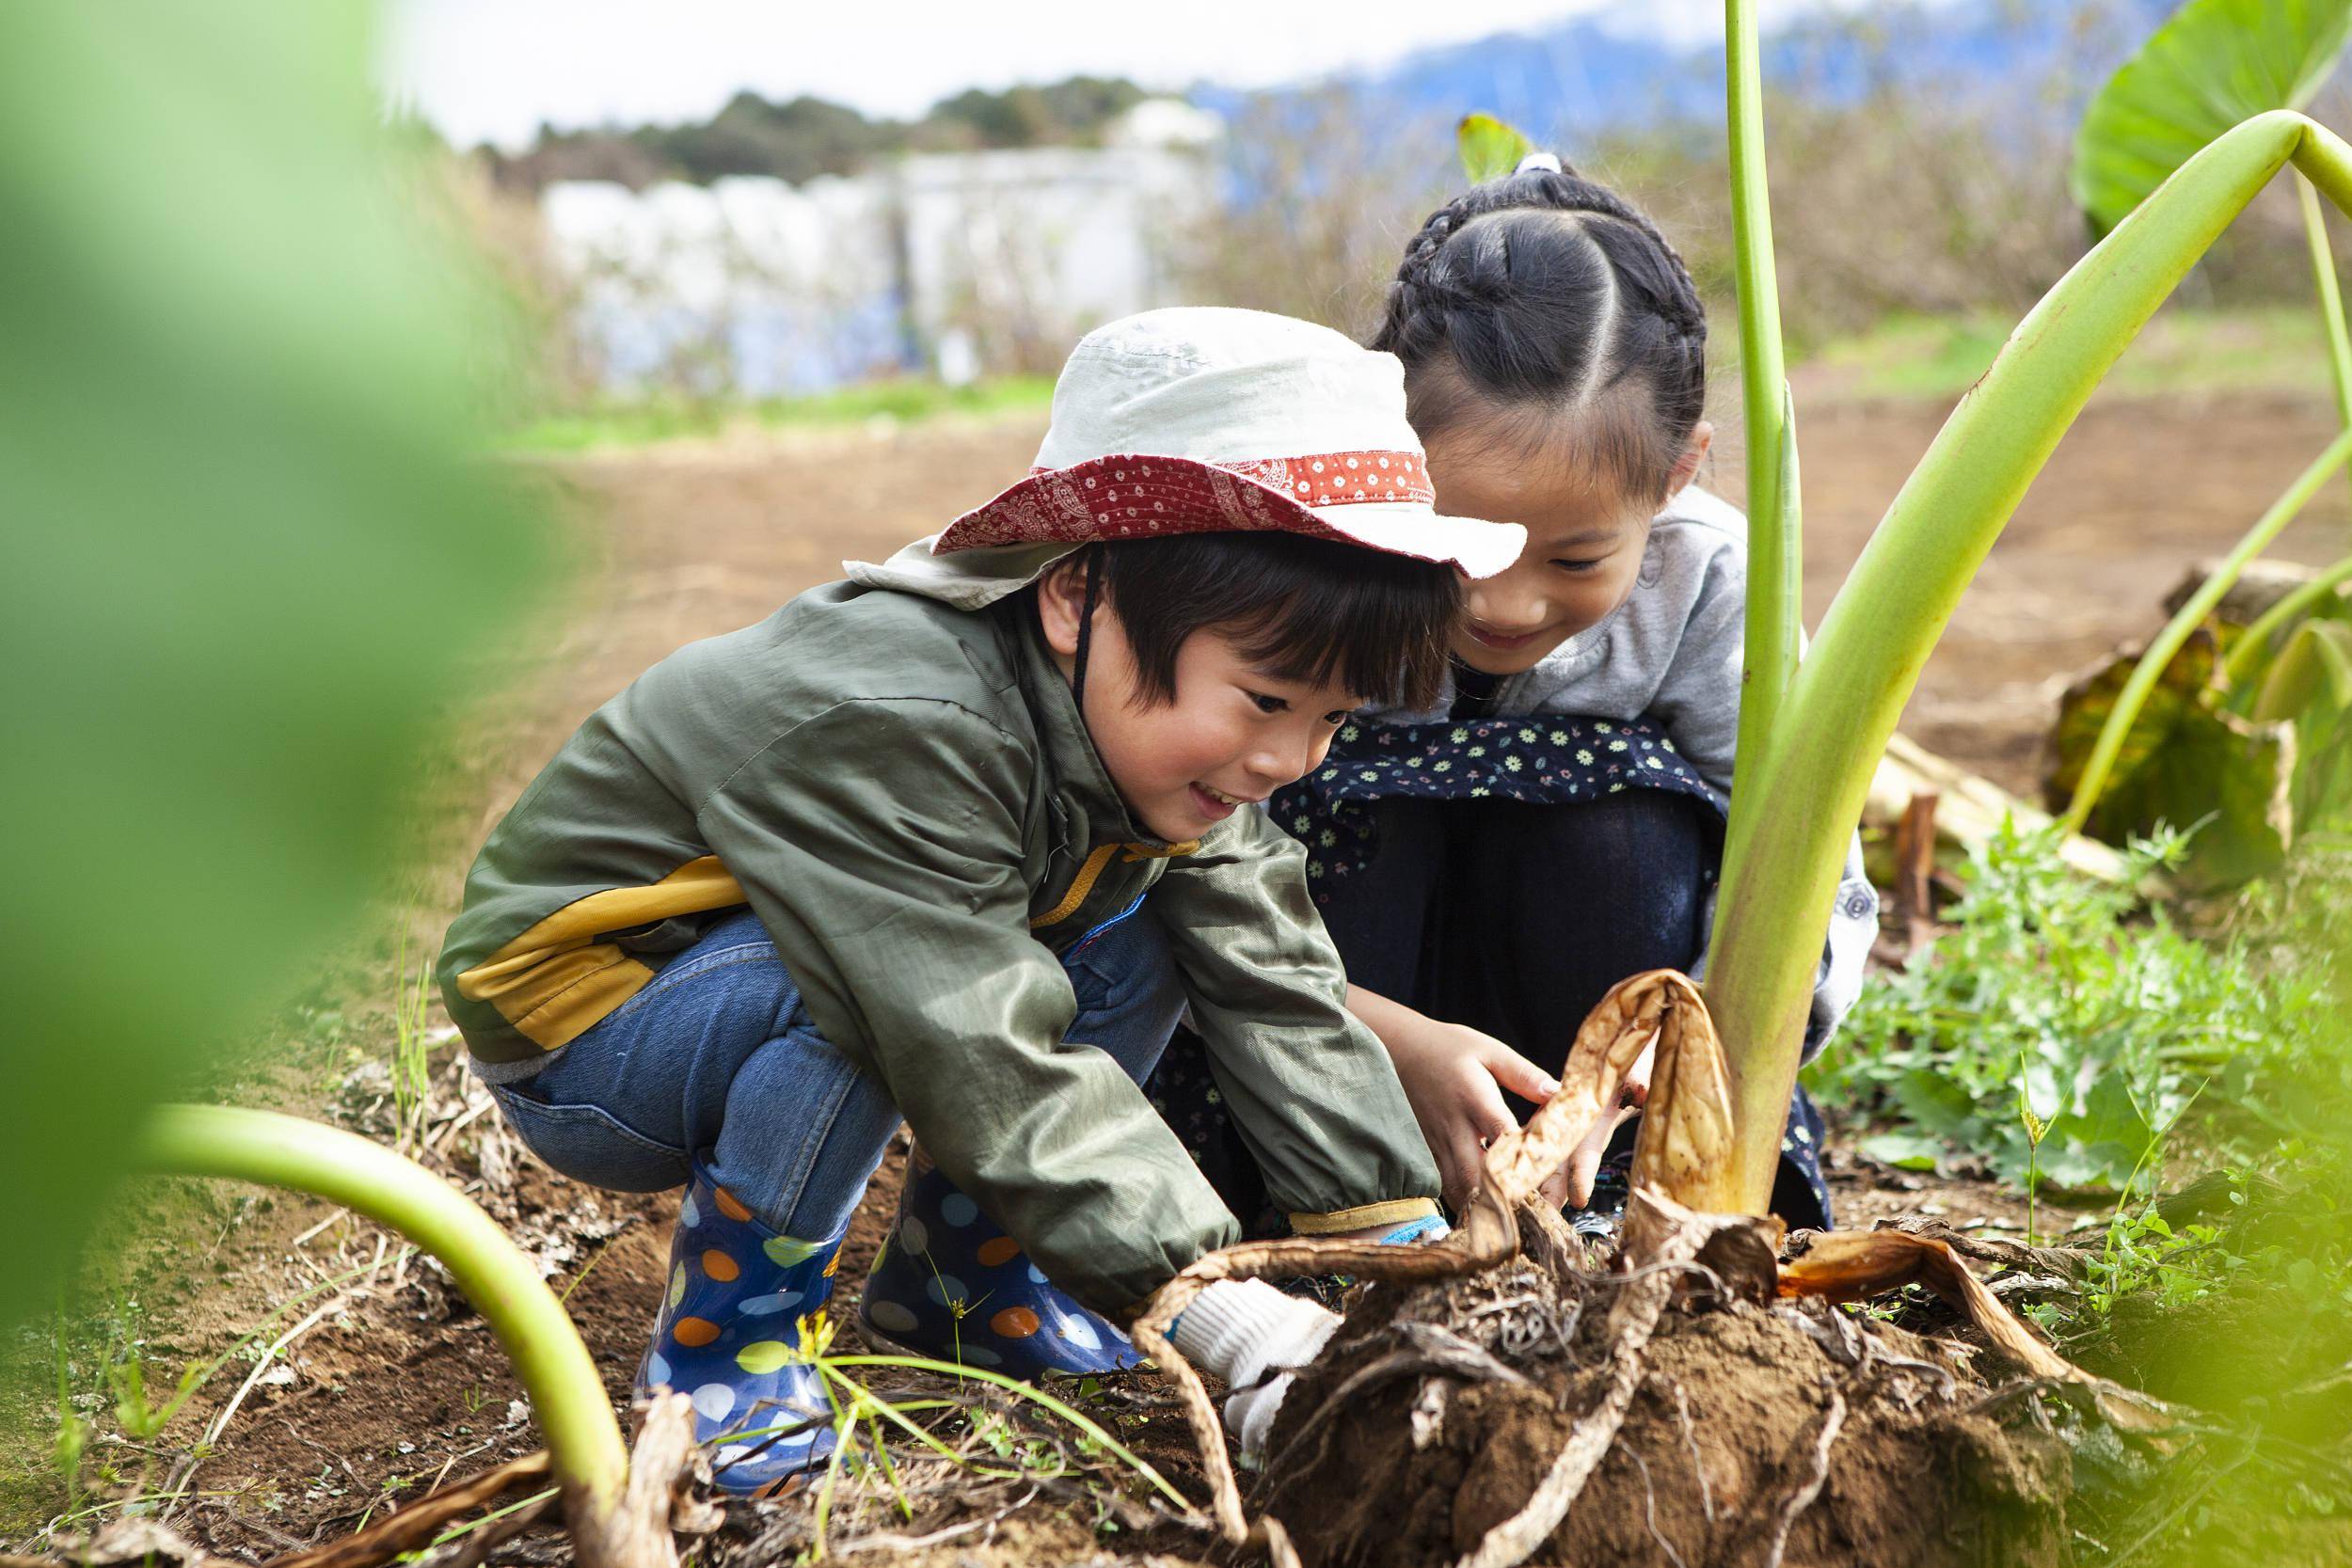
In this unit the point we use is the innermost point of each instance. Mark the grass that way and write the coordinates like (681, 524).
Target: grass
(905, 400)
(2184, 350)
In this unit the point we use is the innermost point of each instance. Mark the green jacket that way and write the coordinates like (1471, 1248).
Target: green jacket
(905, 793)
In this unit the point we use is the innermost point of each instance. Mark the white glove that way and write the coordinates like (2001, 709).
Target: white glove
(1250, 1335)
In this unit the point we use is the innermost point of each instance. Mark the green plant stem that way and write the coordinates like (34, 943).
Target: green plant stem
(2177, 631)
(566, 1393)
(1775, 546)
(2248, 652)
(1851, 688)
(2330, 296)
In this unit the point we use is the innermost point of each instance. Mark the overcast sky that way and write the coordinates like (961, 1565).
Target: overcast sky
(492, 69)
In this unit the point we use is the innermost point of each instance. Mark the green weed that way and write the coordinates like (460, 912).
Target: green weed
(2063, 1028)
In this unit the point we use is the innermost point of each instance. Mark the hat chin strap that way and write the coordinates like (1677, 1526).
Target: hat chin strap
(1086, 631)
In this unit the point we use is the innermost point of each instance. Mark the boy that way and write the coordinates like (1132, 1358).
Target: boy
(958, 840)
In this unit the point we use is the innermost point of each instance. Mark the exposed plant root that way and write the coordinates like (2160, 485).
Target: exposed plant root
(1832, 1422)
(1852, 1265)
(1630, 1323)
(637, 1533)
(1673, 1245)
(1610, 1041)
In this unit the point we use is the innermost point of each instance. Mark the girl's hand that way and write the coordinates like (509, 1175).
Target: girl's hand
(1573, 1186)
(1454, 1078)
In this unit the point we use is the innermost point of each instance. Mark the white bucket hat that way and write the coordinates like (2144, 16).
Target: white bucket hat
(1203, 419)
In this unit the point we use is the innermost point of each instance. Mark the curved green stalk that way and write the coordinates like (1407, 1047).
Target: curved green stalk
(1774, 542)
(1776, 584)
(2248, 653)
(2185, 620)
(2330, 296)
(566, 1393)
(1851, 688)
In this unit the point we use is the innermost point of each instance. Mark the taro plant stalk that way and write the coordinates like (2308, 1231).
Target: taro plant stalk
(2184, 624)
(2213, 65)
(566, 1394)
(2249, 652)
(1807, 775)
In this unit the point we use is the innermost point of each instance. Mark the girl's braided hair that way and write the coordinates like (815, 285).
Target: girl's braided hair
(1544, 295)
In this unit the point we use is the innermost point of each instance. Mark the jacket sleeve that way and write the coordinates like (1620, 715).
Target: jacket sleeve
(904, 914)
(1311, 1089)
(1699, 702)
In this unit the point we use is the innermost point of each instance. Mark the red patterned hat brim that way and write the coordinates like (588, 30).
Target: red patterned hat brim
(1141, 496)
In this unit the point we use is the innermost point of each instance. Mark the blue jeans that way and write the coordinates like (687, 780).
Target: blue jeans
(717, 1064)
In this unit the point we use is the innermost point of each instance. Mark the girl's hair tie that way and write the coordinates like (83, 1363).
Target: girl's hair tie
(1548, 163)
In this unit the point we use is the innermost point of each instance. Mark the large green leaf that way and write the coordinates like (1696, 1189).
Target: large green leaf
(2310, 685)
(2316, 663)
(249, 548)
(2185, 762)
(2215, 63)
(2084, 708)
(1489, 148)
(2230, 779)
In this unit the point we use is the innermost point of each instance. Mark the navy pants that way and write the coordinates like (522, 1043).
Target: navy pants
(1515, 919)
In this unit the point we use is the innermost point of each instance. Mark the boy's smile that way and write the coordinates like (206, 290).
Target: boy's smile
(1234, 734)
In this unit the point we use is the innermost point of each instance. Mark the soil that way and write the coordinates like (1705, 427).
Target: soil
(400, 1384)
(1723, 1430)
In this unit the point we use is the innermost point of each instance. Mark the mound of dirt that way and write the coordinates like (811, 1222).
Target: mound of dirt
(1841, 1442)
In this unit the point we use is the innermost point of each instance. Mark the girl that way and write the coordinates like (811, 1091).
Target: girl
(1491, 865)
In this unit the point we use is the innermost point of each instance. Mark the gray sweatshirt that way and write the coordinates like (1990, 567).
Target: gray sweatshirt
(1673, 651)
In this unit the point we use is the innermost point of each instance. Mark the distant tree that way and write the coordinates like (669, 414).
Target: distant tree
(802, 137)
(605, 154)
(796, 140)
(1065, 113)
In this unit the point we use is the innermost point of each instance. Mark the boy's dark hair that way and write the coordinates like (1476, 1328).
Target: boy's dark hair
(1544, 294)
(1310, 610)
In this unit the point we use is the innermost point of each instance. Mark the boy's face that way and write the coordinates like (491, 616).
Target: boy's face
(1233, 734)
(1585, 541)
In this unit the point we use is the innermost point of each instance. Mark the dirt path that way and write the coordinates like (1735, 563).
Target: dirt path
(403, 1383)
(704, 540)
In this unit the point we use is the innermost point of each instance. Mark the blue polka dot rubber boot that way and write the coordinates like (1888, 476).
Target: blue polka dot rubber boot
(728, 1339)
(950, 1285)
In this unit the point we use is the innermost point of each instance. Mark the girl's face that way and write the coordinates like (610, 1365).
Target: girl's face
(1584, 545)
(1234, 736)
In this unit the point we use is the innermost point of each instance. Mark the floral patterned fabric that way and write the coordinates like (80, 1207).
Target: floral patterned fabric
(1537, 760)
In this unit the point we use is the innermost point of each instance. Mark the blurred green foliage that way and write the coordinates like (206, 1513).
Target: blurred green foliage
(251, 547)
(2269, 350)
